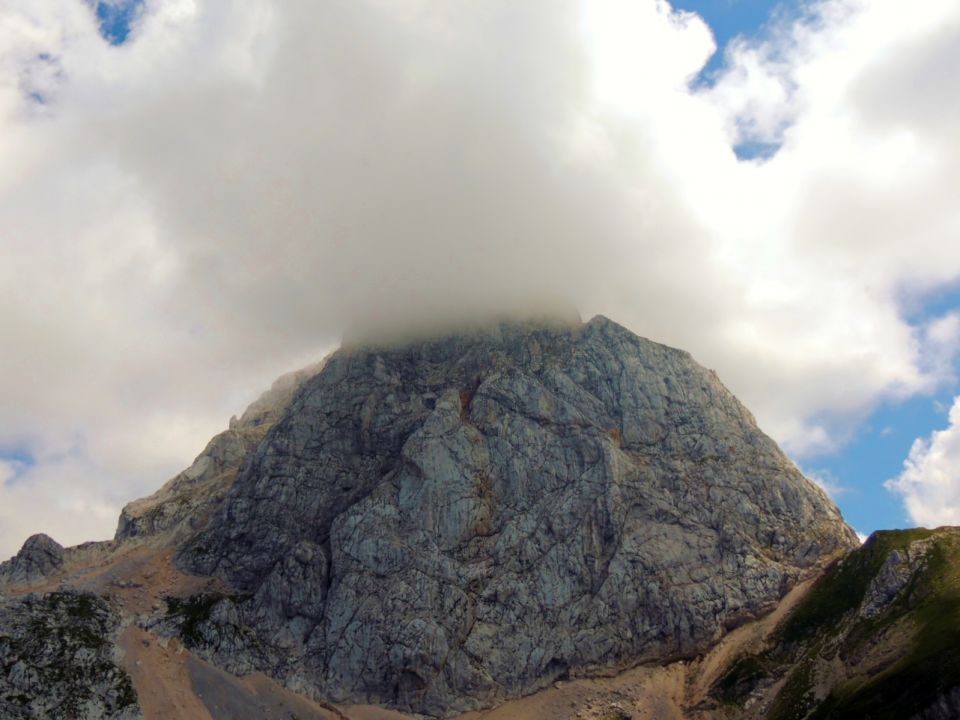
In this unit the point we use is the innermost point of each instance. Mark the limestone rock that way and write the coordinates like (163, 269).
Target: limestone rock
(185, 502)
(39, 557)
(445, 524)
(57, 659)
(893, 577)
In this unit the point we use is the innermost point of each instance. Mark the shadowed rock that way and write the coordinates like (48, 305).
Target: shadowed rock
(185, 502)
(58, 659)
(445, 524)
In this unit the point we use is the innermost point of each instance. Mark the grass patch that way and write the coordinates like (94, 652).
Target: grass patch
(79, 607)
(82, 627)
(743, 677)
(65, 639)
(796, 698)
(842, 587)
(930, 667)
(195, 610)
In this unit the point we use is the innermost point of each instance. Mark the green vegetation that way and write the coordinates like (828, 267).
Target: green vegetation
(81, 628)
(795, 699)
(64, 637)
(930, 667)
(17, 699)
(80, 607)
(924, 616)
(126, 695)
(744, 676)
(841, 589)
(193, 611)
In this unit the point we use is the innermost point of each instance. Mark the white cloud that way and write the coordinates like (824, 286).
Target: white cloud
(941, 338)
(930, 481)
(64, 496)
(9, 469)
(827, 481)
(188, 215)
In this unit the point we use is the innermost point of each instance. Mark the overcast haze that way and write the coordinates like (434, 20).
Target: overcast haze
(237, 185)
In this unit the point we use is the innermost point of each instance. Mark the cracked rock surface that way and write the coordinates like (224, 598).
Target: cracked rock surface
(58, 659)
(442, 525)
(39, 557)
(186, 501)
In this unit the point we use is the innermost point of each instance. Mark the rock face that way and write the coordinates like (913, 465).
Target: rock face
(39, 557)
(442, 525)
(185, 502)
(57, 660)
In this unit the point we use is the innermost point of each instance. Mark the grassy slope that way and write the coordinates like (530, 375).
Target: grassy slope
(926, 613)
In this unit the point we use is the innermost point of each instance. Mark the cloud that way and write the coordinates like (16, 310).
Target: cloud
(64, 496)
(9, 470)
(941, 338)
(930, 481)
(827, 481)
(227, 193)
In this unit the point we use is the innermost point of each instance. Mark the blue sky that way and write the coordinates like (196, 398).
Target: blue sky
(729, 19)
(116, 18)
(726, 18)
(876, 454)
(732, 19)
(878, 448)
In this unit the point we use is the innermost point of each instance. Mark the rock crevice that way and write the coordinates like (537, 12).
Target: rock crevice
(442, 525)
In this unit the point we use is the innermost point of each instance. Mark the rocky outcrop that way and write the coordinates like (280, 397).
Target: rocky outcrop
(40, 557)
(186, 502)
(876, 637)
(449, 523)
(899, 567)
(57, 659)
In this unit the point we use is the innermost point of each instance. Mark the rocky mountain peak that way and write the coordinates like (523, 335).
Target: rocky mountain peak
(437, 525)
(40, 556)
(445, 523)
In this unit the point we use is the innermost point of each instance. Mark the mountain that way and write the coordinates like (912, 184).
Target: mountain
(440, 526)
(876, 637)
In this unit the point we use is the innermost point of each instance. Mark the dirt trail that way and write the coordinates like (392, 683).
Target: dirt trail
(747, 638)
(138, 576)
(227, 697)
(643, 693)
(160, 677)
(173, 684)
